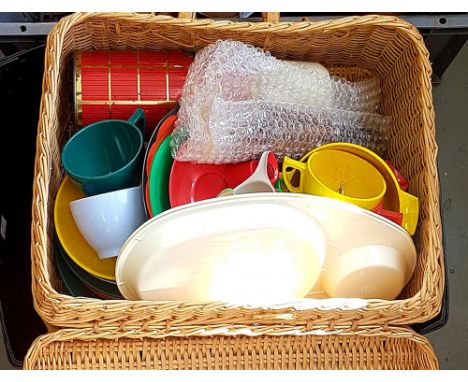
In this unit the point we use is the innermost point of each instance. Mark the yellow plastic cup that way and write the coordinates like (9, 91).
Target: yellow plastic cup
(339, 175)
(395, 199)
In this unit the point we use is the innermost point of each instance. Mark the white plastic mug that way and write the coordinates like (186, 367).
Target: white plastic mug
(259, 180)
(107, 220)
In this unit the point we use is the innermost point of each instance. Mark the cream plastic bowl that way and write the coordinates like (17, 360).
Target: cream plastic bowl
(369, 271)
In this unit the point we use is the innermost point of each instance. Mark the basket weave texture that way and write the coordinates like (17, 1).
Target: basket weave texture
(72, 349)
(353, 47)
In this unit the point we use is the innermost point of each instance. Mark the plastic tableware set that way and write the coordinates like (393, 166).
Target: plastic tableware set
(334, 223)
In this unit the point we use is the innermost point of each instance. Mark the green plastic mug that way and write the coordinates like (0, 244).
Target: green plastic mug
(107, 155)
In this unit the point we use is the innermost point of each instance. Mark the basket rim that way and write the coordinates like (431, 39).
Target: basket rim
(49, 303)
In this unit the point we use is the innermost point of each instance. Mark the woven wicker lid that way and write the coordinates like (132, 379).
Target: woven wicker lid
(232, 348)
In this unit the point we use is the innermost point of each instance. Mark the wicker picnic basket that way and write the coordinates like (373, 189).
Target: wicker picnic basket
(354, 47)
(238, 348)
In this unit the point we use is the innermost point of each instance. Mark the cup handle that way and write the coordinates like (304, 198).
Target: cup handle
(272, 168)
(296, 165)
(404, 185)
(396, 217)
(138, 119)
(409, 206)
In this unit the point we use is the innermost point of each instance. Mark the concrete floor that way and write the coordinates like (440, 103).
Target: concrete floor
(451, 105)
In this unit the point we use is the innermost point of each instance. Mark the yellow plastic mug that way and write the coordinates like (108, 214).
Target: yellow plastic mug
(395, 199)
(339, 175)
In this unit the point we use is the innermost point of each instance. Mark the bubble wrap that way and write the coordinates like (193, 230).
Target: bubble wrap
(239, 101)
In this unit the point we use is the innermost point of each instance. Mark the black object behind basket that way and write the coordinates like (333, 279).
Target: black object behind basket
(20, 95)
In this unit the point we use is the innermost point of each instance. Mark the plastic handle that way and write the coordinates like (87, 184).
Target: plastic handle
(259, 180)
(138, 119)
(272, 168)
(296, 165)
(409, 206)
(270, 17)
(261, 172)
(404, 185)
(396, 217)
